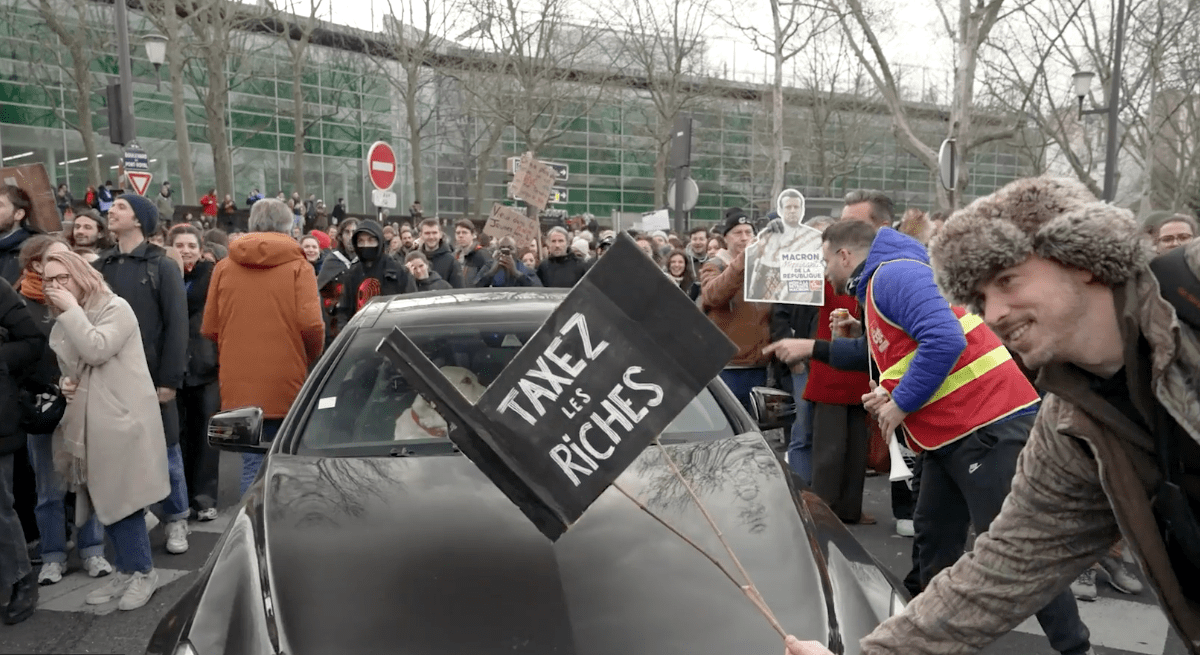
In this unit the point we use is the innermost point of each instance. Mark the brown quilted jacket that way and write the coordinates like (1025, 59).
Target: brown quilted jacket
(1067, 505)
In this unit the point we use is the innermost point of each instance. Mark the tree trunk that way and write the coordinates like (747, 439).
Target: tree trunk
(777, 130)
(218, 92)
(187, 177)
(660, 171)
(83, 109)
(481, 168)
(298, 127)
(411, 97)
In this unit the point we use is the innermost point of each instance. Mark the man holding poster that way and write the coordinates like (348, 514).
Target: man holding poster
(784, 263)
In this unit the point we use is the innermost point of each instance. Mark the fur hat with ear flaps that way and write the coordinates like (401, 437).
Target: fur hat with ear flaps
(1055, 218)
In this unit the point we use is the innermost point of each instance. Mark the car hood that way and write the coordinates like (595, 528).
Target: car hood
(424, 555)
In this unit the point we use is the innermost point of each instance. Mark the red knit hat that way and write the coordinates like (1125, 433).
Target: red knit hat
(322, 238)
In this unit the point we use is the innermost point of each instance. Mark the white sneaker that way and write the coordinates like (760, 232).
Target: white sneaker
(97, 567)
(141, 587)
(1119, 577)
(177, 534)
(1084, 586)
(52, 572)
(151, 521)
(111, 590)
(209, 514)
(904, 527)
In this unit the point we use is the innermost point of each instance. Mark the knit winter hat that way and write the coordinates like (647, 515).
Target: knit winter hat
(1054, 218)
(735, 216)
(322, 238)
(144, 210)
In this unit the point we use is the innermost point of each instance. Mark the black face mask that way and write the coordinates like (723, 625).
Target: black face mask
(368, 254)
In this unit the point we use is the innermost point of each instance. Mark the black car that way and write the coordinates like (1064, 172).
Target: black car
(360, 537)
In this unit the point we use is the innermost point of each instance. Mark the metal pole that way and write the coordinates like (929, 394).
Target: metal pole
(121, 16)
(1114, 97)
(680, 176)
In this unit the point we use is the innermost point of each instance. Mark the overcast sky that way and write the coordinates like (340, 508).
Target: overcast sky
(911, 36)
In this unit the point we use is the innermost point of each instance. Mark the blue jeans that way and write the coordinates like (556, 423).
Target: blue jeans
(799, 452)
(252, 462)
(741, 380)
(51, 517)
(175, 506)
(131, 544)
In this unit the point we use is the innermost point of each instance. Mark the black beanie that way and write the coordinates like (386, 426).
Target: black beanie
(734, 216)
(144, 210)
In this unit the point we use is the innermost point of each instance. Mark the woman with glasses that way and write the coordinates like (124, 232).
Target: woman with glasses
(1173, 232)
(51, 492)
(109, 446)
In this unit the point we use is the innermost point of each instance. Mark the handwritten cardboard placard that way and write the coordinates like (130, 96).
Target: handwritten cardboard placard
(508, 221)
(533, 181)
(32, 178)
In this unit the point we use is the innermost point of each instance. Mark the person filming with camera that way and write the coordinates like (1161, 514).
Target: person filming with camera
(506, 270)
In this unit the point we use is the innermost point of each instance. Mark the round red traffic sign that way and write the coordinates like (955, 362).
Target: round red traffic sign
(381, 165)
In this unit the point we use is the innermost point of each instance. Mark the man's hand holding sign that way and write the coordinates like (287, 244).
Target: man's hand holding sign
(611, 367)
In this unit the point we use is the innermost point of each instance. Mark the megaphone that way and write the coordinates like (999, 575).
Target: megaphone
(900, 471)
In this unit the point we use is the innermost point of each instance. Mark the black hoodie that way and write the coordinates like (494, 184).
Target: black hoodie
(442, 262)
(372, 275)
(562, 271)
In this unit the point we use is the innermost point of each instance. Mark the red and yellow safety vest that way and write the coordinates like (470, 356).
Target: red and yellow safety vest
(984, 386)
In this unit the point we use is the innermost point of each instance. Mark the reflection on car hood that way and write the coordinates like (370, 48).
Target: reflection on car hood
(425, 556)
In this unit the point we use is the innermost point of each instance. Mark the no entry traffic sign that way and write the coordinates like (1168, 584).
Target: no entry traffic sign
(381, 165)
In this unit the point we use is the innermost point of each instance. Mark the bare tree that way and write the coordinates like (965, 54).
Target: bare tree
(295, 28)
(164, 15)
(220, 27)
(413, 38)
(539, 72)
(794, 26)
(1031, 60)
(663, 48)
(970, 25)
(73, 22)
(833, 135)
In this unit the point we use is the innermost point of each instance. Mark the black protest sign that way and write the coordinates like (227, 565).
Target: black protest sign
(610, 368)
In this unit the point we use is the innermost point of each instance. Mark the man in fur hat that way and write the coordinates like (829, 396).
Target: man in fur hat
(1065, 282)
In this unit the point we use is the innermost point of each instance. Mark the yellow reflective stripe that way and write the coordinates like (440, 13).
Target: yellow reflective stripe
(896, 371)
(972, 371)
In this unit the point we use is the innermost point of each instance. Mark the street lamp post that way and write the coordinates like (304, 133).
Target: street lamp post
(156, 52)
(127, 131)
(1083, 82)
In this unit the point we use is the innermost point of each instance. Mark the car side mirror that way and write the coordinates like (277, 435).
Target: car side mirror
(238, 430)
(772, 408)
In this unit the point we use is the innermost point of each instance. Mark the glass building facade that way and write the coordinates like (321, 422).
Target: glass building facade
(349, 104)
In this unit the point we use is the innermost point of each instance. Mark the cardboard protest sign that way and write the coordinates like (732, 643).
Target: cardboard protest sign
(533, 181)
(656, 220)
(508, 221)
(784, 263)
(610, 368)
(32, 178)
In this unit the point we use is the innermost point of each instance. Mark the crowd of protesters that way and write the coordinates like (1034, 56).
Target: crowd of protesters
(120, 296)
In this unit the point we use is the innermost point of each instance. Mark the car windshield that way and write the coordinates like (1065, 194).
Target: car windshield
(366, 401)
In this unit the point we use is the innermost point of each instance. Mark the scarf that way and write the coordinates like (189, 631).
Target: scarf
(30, 286)
(70, 438)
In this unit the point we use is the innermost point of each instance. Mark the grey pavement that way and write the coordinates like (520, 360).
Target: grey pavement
(1120, 624)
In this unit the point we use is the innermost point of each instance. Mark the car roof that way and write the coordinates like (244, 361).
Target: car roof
(460, 306)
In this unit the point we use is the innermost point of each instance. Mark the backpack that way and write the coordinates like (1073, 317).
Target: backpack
(1180, 287)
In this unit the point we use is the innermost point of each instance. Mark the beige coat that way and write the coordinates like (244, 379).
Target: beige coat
(1068, 505)
(117, 404)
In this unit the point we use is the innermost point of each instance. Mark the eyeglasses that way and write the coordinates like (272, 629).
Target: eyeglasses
(1174, 239)
(58, 280)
